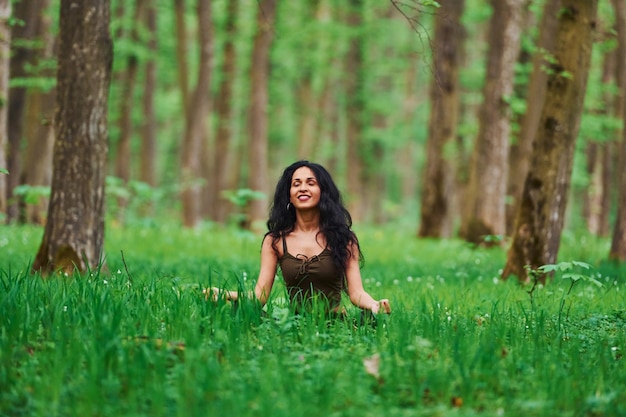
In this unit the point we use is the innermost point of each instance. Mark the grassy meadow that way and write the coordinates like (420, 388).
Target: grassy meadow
(136, 338)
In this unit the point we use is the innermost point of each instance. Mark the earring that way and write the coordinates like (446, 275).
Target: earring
(288, 206)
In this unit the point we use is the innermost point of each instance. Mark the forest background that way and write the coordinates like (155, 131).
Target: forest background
(208, 105)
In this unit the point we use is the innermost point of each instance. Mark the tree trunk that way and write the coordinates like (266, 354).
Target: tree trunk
(38, 126)
(74, 235)
(597, 196)
(519, 158)
(5, 41)
(224, 150)
(147, 168)
(195, 122)
(354, 130)
(258, 178)
(125, 124)
(29, 12)
(182, 53)
(444, 101)
(618, 243)
(485, 209)
(539, 221)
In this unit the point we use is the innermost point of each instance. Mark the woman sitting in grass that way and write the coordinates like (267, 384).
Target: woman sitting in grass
(310, 237)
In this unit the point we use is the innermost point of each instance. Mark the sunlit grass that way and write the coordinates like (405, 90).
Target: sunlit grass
(139, 339)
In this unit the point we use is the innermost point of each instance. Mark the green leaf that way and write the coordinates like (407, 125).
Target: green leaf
(4, 171)
(581, 264)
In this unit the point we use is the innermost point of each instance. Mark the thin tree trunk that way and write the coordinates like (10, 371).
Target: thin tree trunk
(485, 210)
(195, 122)
(29, 13)
(5, 41)
(182, 53)
(38, 129)
(128, 81)
(224, 146)
(147, 171)
(442, 126)
(597, 197)
(618, 243)
(258, 178)
(355, 110)
(540, 218)
(74, 235)
(519, 158)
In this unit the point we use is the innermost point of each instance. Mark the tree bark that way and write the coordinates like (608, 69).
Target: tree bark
(519, 158)
(38, 129)
(29, 12)
(444, 102)
(147, 167)
(539, 221)
(224, 146)
(128, 81)
(5, 41)
(618, 243)
(74, 234)
(181, 54)
(356, 106)
(196, 121)
(258, 178)
(485, 209)
(597, 196)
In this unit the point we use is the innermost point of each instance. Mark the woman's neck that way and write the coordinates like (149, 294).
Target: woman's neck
(308, 221)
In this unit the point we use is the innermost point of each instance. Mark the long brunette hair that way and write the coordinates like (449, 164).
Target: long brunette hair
(335, 220)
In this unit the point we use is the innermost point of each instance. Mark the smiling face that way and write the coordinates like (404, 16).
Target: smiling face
(305, 191)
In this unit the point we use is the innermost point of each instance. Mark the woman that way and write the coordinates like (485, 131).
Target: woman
(310, 238)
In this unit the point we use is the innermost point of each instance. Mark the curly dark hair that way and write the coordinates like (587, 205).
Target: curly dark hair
(335, 220)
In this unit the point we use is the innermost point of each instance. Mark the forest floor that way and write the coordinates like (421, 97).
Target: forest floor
(137, 338)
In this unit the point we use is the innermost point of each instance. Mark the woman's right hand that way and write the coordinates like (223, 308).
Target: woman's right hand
(214, 294)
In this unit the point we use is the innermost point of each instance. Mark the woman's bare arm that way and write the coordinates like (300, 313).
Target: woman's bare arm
(358, 296)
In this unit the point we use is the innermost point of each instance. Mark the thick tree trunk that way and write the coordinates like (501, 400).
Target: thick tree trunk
(618, 244)
(74, 235)
(539, 221)
(444, 101)
(519, 158)
(196, 122)
(223, 160)
(5, 41)
(485, 203)
(258, 178)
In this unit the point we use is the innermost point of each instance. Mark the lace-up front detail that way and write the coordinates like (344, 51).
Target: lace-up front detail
(306, 261)
(311, 277)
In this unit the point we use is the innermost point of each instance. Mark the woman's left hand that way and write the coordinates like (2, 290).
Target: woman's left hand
(382, 306)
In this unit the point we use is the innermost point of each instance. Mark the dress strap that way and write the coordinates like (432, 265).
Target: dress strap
(284, 245)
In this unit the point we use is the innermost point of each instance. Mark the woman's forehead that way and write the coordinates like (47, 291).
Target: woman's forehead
(303, 173)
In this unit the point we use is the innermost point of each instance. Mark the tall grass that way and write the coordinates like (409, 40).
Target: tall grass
(137, 338)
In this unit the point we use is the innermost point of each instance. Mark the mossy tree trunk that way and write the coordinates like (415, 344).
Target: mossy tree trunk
(74, 234)
(539, 220)
(519, 157)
